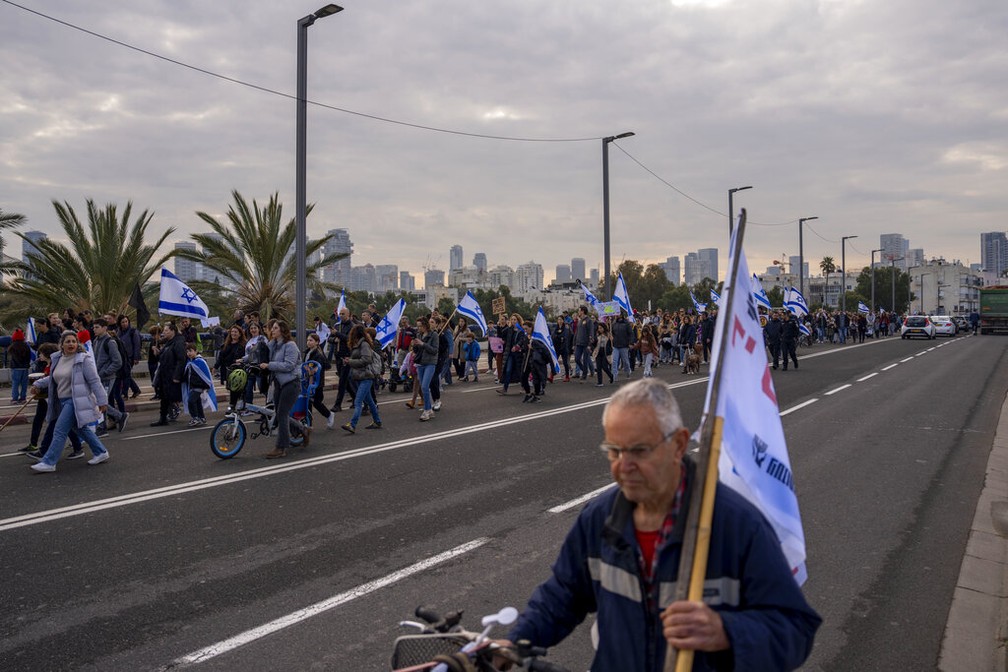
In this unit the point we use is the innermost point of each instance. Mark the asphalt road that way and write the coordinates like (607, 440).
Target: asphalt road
(166, 554)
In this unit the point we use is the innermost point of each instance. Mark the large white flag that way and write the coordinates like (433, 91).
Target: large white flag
(178, 299)
(621, 297)
(795, 302)
(541, 333)
(340, 306)
(389, 326)
(754, 456)
(470, 307)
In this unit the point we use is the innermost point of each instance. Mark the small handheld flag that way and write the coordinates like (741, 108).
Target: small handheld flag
(590, 298)
(715, 298)
(30, 337)
(795, 302)
(540, 332)
(470, 307)
(862, 308)
(136, 301)
(340, 306)
(699, 307)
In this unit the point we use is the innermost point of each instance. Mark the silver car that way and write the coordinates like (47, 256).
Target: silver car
(917, 325)
(944, 325)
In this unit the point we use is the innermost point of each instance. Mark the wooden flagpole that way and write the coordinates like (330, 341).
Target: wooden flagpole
(696, 540)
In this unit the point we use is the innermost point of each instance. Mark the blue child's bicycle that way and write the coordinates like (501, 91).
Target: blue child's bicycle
(228, 437)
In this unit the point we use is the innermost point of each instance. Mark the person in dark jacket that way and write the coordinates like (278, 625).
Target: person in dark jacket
(584, 341)
(707, 323)
(131, 339)
(313, 353)
(515, 345)
(563, 341)
(168, 378)
(622, 337)
(687, 337)
(772, 332)
(19, 354)
(339, 336)
(623, 553)
(789, 339)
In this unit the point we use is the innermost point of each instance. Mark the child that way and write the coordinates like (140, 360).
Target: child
(197, 381)
(409, 368)
(313, 352)
(471, 351)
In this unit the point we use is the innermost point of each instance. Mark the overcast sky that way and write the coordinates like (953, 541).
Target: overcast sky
(877, 116)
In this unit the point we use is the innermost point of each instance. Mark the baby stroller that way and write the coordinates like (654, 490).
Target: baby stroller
(396, 380)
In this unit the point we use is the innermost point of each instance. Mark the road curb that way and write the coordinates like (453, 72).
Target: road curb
(977, 625)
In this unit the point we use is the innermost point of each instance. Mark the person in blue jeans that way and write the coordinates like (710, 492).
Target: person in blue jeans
(77, 399)
(426, 363)
(20, 359)
(364, 371)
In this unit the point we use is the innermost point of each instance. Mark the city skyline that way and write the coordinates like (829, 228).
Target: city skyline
(793, 99)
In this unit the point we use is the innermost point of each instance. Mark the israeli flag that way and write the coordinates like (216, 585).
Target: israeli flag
(322, 332)
(177, 298)
(470, 307)
(715, 298)
(699, 307)
(340, 306)
(590, 298)
(621, 297)
(389, 326)
(803, 328)
(861, 308)
(759, 294)
(541, 333)
(795, 302)
(208, 398)
(30, 337)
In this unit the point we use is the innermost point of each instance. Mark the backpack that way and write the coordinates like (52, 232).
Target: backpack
(127, 361)
(377, 365)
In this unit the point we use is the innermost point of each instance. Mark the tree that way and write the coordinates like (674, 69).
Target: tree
(884, 287)
(252, 252)
(99, 268)
(8, 220)
(827, 266)
(776, 296)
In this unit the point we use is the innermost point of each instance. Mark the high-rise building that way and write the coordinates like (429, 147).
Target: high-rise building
(455, 257)
(593, 278)
(363, 279)
(387, 277)
(578, 269)
(691, 269)
(894, 246)
(994, 252)
(528, 277)
(480, 262)
(407, 282)
(708, 257)
(187, 270)
(433, 278)
(915, 257)
(337, 271)
(563, 273)
(30, 245)
(671, 267)
(793, 262)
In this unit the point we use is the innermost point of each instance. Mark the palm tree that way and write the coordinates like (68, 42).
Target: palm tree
(253, 253)
(99, 267)
(8, 220)
(827, 266)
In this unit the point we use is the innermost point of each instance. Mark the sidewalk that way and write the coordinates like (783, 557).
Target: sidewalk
(978, 619)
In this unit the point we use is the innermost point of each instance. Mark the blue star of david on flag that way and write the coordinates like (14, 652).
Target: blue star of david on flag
(177, 298)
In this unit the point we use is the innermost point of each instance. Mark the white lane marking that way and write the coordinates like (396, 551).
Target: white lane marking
(930, 349)
(922, 352)
(580, 500)
(799, 406)
(864, 378)
(202, 484)
(833, 391)
(891, 366)
(296, 617)
(907, 359)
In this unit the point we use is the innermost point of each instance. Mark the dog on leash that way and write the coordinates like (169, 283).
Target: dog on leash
(693, 361)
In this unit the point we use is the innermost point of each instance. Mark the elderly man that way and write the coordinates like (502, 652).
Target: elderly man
(622, 558)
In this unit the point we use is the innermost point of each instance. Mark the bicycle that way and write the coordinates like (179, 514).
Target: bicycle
(229, 435)
(444, 646)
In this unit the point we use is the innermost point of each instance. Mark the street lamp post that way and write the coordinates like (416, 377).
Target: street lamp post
(731, 207)
(801, 255)
(873, 279)
(301, 205)
(843, 272)
(605, 204)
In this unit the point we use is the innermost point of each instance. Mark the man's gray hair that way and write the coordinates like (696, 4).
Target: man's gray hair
(654, 394)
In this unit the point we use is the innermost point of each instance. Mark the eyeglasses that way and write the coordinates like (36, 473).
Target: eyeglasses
(641, 451)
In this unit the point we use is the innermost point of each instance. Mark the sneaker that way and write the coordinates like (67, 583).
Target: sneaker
(42, 467)
(437, 405)
(101, 431)
(28, 449)
(202, 421)
(534, 400)
(194, 422)
(76, 455)
(35, 455)
(331, 420)
(122, 421)
(99, 458)
(426, 415)
(275, 453)
(374, 425)
(598, 384)
(348, 427)
(527, 397)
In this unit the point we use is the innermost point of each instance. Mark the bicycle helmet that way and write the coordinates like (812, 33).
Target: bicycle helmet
(237, 379)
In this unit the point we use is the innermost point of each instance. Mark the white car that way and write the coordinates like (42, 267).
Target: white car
(944, 326)
(917, 325)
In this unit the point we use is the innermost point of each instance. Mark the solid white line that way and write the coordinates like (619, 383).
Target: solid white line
(232, 643)
(842, 387)
(799, 406)
(870, 375)
(907, 359)
(193, 486)
(579, 500)
(891, 366)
